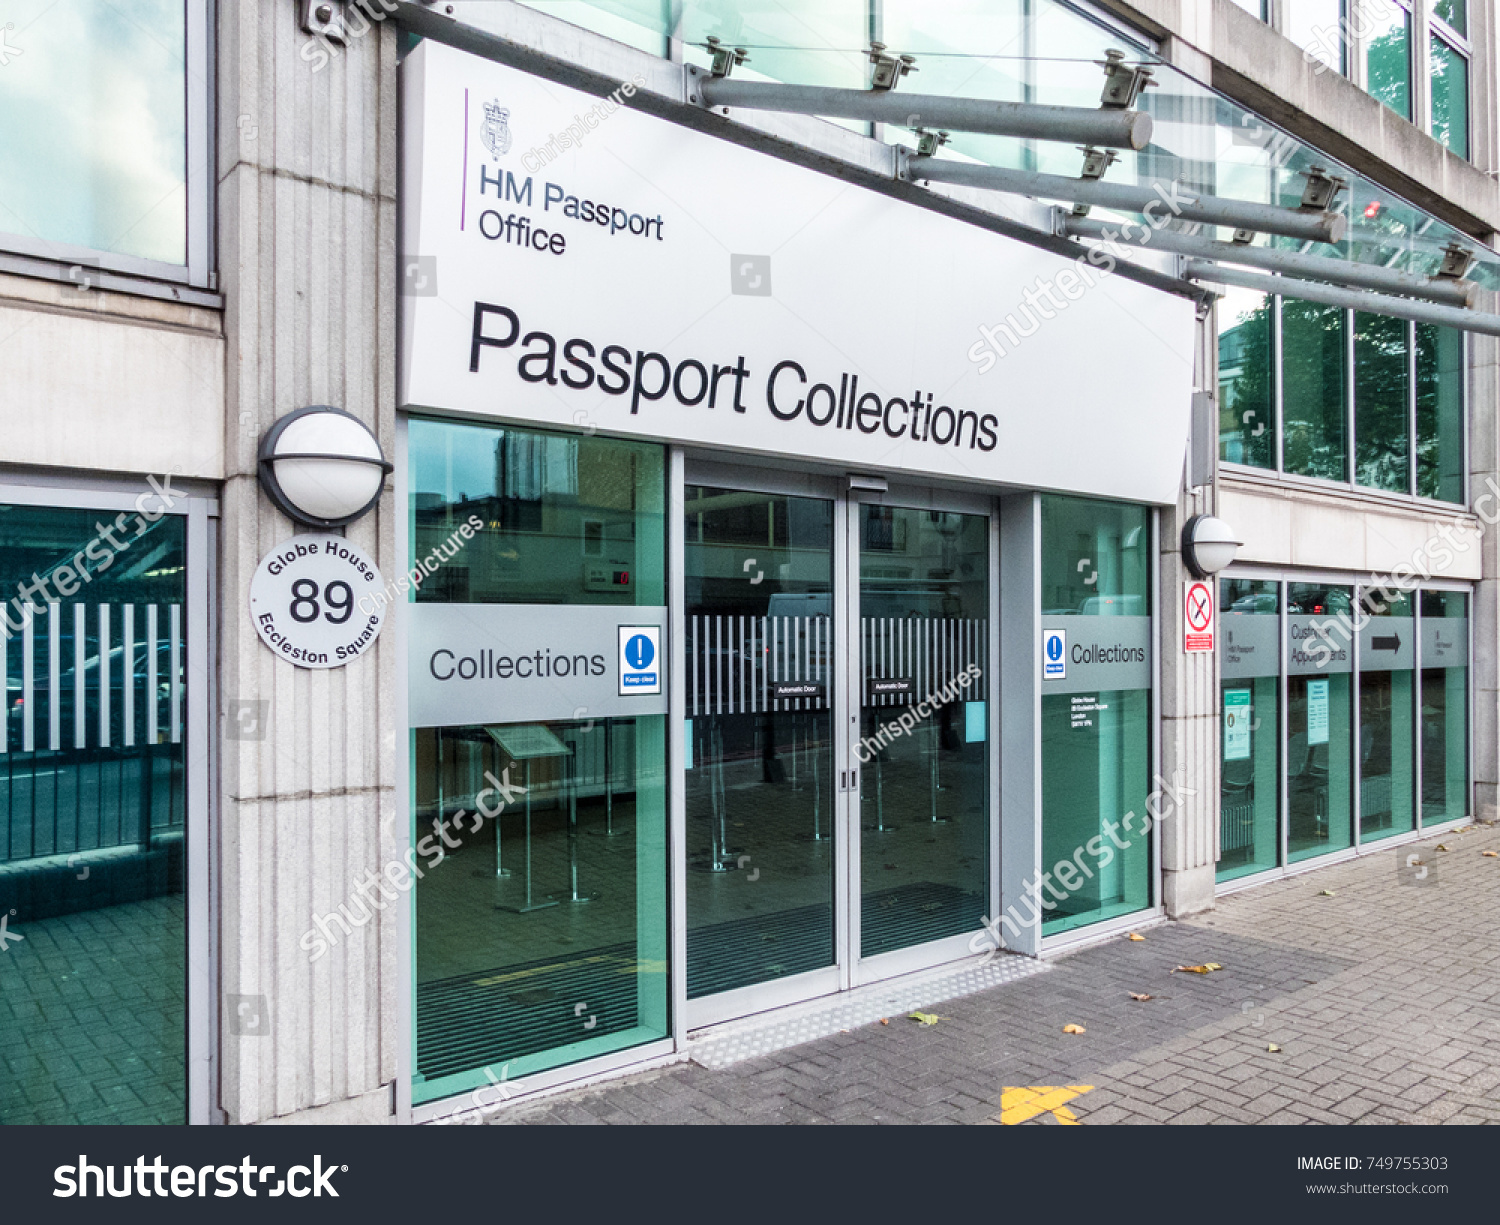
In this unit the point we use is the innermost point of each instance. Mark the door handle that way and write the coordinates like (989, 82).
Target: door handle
(854, 780)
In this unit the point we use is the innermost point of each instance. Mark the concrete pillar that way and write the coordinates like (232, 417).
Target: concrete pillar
(307, 211)
(1189, 699)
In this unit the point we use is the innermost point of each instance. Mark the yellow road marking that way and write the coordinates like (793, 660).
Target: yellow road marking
(1019, 1104)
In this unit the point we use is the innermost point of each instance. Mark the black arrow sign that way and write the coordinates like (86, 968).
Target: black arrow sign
(1390, 643)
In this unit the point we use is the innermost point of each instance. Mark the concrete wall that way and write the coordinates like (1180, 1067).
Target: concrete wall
(110, 383)
(307, 211)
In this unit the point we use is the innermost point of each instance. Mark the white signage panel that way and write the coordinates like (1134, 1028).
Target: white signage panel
(518, 663)
(1097, 654)
(657, 281)
(310, 600)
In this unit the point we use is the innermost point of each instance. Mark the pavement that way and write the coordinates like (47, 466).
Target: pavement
(1366, 991)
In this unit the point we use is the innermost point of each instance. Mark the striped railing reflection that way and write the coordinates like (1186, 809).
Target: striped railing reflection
(735, 663)
(100, 688)
(930, 652)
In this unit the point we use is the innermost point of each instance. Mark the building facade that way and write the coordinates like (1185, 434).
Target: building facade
(784, 557)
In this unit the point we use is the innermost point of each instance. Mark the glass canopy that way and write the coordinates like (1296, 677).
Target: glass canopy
(1049, 52)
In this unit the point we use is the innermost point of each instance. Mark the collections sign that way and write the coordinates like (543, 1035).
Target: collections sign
(1094, 654)
(657, 281)
(516, 663)
(307, 601)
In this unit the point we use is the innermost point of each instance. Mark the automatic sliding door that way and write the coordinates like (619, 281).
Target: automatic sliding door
(759, 786)
(924, 727)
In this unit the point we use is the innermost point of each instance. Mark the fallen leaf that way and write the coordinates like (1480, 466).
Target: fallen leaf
(1135, 936)
(1135, 995)
(885, 1020)
(1328, 893)
(926, 1018)
(1273, 1049)
(1074, 1029)
(1490, 854)
(1208, 967)
(1441, 846)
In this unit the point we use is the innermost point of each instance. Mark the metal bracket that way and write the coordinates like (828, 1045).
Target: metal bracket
(725, 59)
(324, 18)
(1457, 260)
(1095, 163)
(889, 69)
(928, 143)
(1243, 238)
(1122, 82)
(1321, 189)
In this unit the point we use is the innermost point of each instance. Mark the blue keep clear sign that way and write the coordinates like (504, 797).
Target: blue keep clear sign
(640, 659)
(1054, 654)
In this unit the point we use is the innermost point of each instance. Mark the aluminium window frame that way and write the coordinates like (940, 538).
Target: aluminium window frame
(1410, 498)
(1358, 582)
(194, 281)
(1433, 27)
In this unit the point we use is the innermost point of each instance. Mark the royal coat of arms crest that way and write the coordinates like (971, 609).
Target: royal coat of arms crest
(495, 131)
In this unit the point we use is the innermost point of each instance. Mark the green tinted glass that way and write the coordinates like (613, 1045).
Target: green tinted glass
(1247, 412)
(93, 805)
(1250, 731)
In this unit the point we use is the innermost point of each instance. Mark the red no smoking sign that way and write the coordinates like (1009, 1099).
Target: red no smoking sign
(1198, 617)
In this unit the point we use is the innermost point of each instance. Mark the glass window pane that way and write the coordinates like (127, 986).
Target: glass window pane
(1445, 705)
(556, 895)
(1455, 13)
(1096, 558)
(1382, 409)
(1388, 54)
(1096, 743)
(1319, 720)
(93, 150)
(1316, 26)
(760, 794)
(1450, 96)
(815, 42)
(559, 899)
(1387, 733)
(568, 519)
(1247, 415)
(1256, 8)
(93, 814)
(1440, 412)
(1312, 372)
(1250, 776)
(924, 799)
(643, 24)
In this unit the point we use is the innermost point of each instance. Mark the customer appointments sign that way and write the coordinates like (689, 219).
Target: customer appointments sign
(658, 281)
(306, 601)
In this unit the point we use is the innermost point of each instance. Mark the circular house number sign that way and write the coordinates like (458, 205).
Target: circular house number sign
(317, 601)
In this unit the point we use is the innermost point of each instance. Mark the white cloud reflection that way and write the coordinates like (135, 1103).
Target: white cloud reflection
(93, 148)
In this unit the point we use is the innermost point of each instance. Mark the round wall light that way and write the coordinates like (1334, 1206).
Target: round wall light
(1208, 545)
(322, 466)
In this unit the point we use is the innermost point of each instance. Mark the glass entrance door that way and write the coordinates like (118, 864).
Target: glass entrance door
(921, 684)
(837, 734)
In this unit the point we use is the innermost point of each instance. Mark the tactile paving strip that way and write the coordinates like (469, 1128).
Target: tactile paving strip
(736, 1041)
